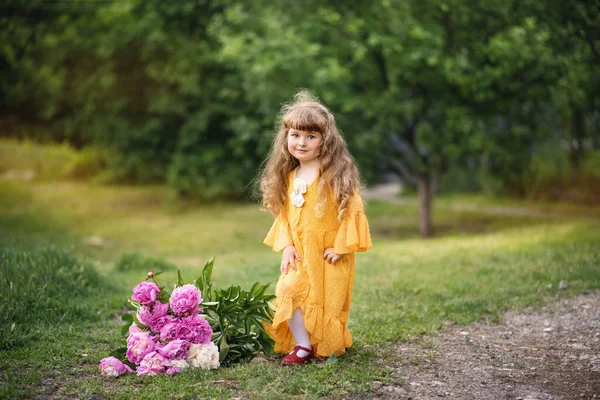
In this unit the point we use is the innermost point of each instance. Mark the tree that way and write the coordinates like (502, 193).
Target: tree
(414, 72)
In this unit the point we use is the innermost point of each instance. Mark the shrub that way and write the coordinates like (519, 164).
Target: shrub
(86, 164)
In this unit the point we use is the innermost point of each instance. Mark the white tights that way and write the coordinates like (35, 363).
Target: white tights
(301, 335)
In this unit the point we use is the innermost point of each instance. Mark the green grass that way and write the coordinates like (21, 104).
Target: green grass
(479, 265)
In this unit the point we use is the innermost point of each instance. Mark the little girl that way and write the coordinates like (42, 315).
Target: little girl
(310, 183)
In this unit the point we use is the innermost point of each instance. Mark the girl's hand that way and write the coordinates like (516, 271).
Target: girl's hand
(289, 257)
(331, 256)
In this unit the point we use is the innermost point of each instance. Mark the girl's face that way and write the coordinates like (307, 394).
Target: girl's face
(304, 145)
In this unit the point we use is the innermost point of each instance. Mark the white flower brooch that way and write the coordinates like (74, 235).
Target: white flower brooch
(297, 195)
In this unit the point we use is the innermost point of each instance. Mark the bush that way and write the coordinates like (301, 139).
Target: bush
(86, 164)
(554, 179)
(41, 288)
(141, 262)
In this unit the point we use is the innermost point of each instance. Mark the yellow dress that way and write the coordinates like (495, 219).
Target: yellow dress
(321, 290)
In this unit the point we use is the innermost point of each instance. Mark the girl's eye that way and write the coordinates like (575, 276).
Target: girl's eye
(312, 137)
(295, 135)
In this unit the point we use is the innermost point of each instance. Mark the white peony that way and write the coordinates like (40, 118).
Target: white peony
(182, 364)
(203, 356)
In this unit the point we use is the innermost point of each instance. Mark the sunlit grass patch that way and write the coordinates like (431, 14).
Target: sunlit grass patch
(29, 160)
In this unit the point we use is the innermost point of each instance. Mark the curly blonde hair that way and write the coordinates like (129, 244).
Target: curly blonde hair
(337, 170)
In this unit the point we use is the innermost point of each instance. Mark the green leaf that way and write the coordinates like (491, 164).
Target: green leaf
(179, 279)
(332, 360)
(253, 289)
(261, 290)
(223, 348)
(119, 353)
(137, 321)
(207, 270)
(135, 304)
(128, 320)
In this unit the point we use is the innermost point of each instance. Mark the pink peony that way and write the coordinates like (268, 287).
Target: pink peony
(138, 345)
(158, 323)
(155, 316)
(185, 299)
(112, 366)
(133, 328)
(174, 350)
(152, 364)
(173, 370)
(201, 328)
(145, 293)
(177, 366)
(194, 328)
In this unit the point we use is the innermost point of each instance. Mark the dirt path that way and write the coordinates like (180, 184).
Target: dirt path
(552, 353)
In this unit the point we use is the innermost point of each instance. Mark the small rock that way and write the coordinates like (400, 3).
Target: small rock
(394, 389)
(563, 285)
(376, 384)
(437, 383)
(548, 330)
(464, 333)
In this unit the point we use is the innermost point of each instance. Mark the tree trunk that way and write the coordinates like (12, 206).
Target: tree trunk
(425, 184)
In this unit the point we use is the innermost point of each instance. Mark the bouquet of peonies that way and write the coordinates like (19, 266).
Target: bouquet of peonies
(167, 334)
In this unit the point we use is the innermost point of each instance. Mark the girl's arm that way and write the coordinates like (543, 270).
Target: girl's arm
(353, 233)
(280, 234)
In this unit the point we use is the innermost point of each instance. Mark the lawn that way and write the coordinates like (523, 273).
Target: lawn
(60, 243)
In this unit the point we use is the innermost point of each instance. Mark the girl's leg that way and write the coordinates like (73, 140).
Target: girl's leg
(301, 335)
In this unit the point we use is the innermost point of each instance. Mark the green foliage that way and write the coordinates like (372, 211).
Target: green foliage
(88, 163)
(142, 262)
(237, 317)
(43, 288)
(554, 178)
(186, 92)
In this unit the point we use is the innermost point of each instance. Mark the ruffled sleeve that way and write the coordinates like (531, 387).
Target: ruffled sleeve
(280, 235)
(353, 234)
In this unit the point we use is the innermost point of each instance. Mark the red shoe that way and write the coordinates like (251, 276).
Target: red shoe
(293, 357)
